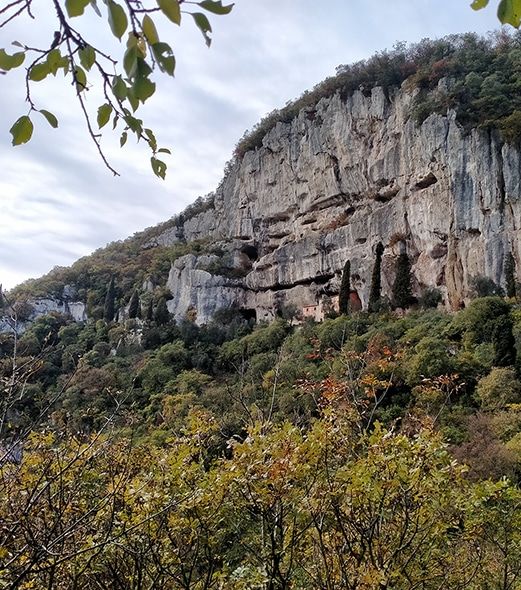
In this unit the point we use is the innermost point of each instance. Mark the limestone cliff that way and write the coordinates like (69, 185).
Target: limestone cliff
(327, 187)
(337, 180)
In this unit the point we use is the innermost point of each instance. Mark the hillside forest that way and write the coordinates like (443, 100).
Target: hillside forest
(378, 449)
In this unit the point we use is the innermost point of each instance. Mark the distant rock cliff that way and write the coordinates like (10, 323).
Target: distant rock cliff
(328, 187)
(334, 182)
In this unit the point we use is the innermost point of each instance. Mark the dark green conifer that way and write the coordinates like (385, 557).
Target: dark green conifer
(133, 306)
(510, 275)
(161, 314)
(376, 279)
(149, 316)
(504, 342)
(402, 295)
(345, 289)
(109, 307)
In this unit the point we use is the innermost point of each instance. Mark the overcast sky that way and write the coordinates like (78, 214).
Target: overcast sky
(58, 202)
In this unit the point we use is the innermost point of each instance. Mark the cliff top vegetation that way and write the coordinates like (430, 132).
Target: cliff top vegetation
(484, 74)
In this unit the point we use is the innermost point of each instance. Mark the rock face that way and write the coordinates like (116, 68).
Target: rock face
(337, 180)
(328, 187)
(35, 308)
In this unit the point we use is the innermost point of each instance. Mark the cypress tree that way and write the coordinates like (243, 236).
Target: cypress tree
(504, 342)
(510, 275)
(402, 295)
(161, 314)
(376, 280)
(345, 289)
(133, 306)
(150, 311)
(109, 308)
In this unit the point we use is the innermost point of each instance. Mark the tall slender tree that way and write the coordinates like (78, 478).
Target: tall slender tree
(376, 279)
(402, 294)
(150, 311)
(109, 307)
(345, 289)
(510, 275)
(134, 306)
(504, 342)
(161, 314)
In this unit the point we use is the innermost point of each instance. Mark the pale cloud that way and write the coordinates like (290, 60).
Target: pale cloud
(58, 202)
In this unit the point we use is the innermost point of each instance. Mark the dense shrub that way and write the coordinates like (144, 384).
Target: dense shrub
(500, 387)
(485, 287)
(430, 298)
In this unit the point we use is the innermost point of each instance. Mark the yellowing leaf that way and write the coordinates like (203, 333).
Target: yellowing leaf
(479, 4)
(509, 12)
(80, 77)
(7, 62)
(104, 112)
(39, 71)
(22, 130)
(171, 9)
(149, 30)
(117, 19)
(76, 7)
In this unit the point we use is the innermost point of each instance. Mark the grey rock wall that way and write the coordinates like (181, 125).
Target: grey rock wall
(344, 176)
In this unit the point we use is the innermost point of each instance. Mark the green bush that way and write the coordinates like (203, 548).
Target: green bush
(431, 358)
(499, 388)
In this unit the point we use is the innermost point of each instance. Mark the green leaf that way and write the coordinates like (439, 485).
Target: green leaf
(119, 88)
(123, 139)
(87, 57)
(55, 61)
(171, 9)
(104, 112)
(159, 167)
(76, 7)
(217, 6)
(22, 130)
(17, 44)
(165, 57)
(509, 12)
(135, 125)
(204, 26)
(479, 4)
(132, 99)
(80, 77)
(130, 63)
(164, 151)
(117, 19)
(143, 88)
(8, 62)
(51, 119)
(149, 30)
(39, 71)
(151, 139)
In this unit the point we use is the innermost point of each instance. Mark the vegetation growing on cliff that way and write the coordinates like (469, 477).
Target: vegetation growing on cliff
(130, 262)
(481, 83)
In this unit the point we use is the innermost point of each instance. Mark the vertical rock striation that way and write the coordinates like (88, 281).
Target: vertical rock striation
(346, 175)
